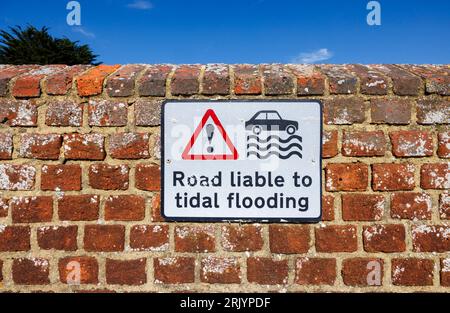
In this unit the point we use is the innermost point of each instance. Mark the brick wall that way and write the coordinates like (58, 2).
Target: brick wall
(80, 181)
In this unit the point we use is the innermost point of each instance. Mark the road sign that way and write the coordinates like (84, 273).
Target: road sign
(242, 160)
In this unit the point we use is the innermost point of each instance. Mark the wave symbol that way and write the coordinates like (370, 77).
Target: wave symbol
(263, 148)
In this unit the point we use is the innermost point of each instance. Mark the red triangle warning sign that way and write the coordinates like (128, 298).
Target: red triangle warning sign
(187, 155)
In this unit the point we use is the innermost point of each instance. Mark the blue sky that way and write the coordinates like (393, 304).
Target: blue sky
(246, 31)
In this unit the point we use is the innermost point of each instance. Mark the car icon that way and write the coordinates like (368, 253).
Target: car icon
(270, 120)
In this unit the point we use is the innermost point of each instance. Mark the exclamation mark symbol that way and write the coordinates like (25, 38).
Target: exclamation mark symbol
(210, 135)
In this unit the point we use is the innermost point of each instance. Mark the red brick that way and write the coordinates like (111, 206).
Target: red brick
(185, 80)
(404, 83)
(149, 238)
(28, 85)
(329, 144)
(153, 82)
(371, 82)
(104, 238)
(91, 82)
(247, 80)
(126, 272)
(315, 271)
(125, 208)
(121, 83)
(129, 146)
(174, 270)
(432, 238)
(155, 146)
(362, 272)
(445, 272)
(343, 111)
(411, 143)
(33, 271)
(78, 270)
(6, 146)
(437, 79)
(64, 113)
(60, 83)
(412, 272)
(242, 238)
(341, 80)
(215, 270)
(17, 177)
(411, 206)
(309, 81)
(147, 113)
(216, 80)
(443, 150)
(336, 238)
(41, 146)
(22, 113)
(346, 177)
(363, 143)
(108, 177)
(327, 208)
(104, 113)
(1, 271)
(362, 207)
(78, 207)
(31, 209)
(384, 238)
(277, 80)
(267, 271)
(61, 177)
(435, 176)
(84, 146)
(289, 239)
(148, 177)
(444, 206)
(14, 238)
(434, 111)
(8, 73)
(391, 177)
(156, 208)
(390, 111)
(57, 237)
(4, 206)
(195, 238)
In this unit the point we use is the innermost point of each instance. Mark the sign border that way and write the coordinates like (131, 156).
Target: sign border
(241, 219)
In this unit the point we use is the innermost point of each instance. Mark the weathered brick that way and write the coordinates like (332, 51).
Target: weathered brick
(362, 272)
(404, 83)
(329, 144)
(155, 146)
(336, 238)
(60, 83)
(174, 270)
(29, 85)
(18, 113)
(108, 177)
(40, 146)
(390, 111)
(309, 81)
(371, 81)
(384, 238)
(64, 113)
(216, 80)
(412, 272)
(267, 271)
(121, 83)
(289, 239)
(362, 207)
(411, 143)
(61, 177)
(346, 177)
(185, 80)
(156, 208)
(8, 73)
(435, 176)
(78, 207)
(14, 238)
(443, 150)
(126, 272)
(87, 266)
(33, 271)
(57, 237)
(215, 270)
(437, 80)
(445, 272)
(84, 146)
(363, 143)
(153, 82)
(341, 80)
(195, 238)
(147, 113)
(242, 238)
(444, 206)
(125, 208)
(91, 82)
(149, 238)
(247, 80)
(411, 205)
(1, 270)
(129, 145)
(393, 176)
(107, 113)
(277, 80)
(434, 238)
(148, 177)
(315, 271)
(343, 111)
(6, 146)
(17, 177)
(433, 111)
(327, 208)
(104, 238)
(34, 209)
(4, 206)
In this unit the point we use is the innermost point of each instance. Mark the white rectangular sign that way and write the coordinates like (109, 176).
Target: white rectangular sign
(242, 160)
